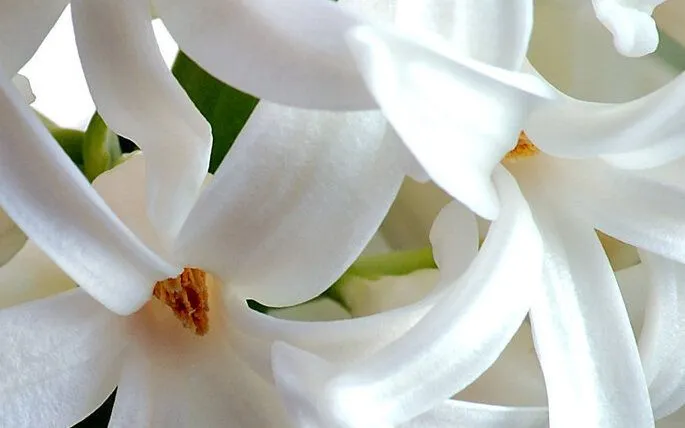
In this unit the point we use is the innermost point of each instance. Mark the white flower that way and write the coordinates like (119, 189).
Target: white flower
(590, 358)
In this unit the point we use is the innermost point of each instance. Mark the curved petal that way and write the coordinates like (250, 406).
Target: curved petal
(495, 32)
(138, 97)
(649, 125)
(582, 333)
(630, 22)
(11, 238)
(51, 201)
(31, 275)
(291, 53)
(60, 359)
(348, 340)
(663, 335)
(321, 309)
(290, 208)
(206, 388)
(662, 308)
(635, 209)
(23, 26)
(458, 117)
(455, 342)
(453, 413)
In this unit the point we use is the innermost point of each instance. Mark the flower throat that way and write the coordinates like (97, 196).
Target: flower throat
(524, 149)
(188, 298)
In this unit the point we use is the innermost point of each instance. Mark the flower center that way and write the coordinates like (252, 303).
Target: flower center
(524, 148)
(187, 297)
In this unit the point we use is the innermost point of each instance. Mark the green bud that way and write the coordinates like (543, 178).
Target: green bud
(101, 149)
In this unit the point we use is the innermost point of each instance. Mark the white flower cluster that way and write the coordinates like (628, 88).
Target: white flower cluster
(144, 280)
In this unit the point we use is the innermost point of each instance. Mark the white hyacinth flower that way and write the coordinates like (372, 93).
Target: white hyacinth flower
(589, 356)
(262, 227)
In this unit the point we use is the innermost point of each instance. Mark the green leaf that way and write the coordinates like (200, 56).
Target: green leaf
(101, 148)
(225, 108)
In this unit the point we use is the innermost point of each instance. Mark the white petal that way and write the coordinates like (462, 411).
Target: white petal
(582, 333)
(453, 413)
(59, 360)
(24, 87)
(208, 387)
(495, 32)
(31, 275)
(458, 117)
(463, 334)
(635, 209)
(139, 98)
(657, 341)
(631, 23)
(321, 309)
(367, 297)
(11, 238)
(339, 341)
(23, 26)
(51, 201)
(663, 335)
(123, 189)
(515, 379)
(648, 126)
(634, 285)
(291, 207)
(291, 53)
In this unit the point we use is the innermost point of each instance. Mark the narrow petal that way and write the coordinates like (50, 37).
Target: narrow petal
(291, 206)
(631, 23)
(138, 97)
(59, 360)
(663, 335)
(23, 26)
(51, 201)
(495, 32)
(635, 209)
(11, 238)
(321, 309)
(649, 125)
(458, 117)
(291, 53)
(461, 336)
(582, 333)
(453, 413)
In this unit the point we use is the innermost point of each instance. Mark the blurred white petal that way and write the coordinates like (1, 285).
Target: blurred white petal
(23, 26)
(292, 53)
(116, 41)
(31, 275)
(321, 309)
(11, 238)
(454, 413)
(631, 23)
(495, 32)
